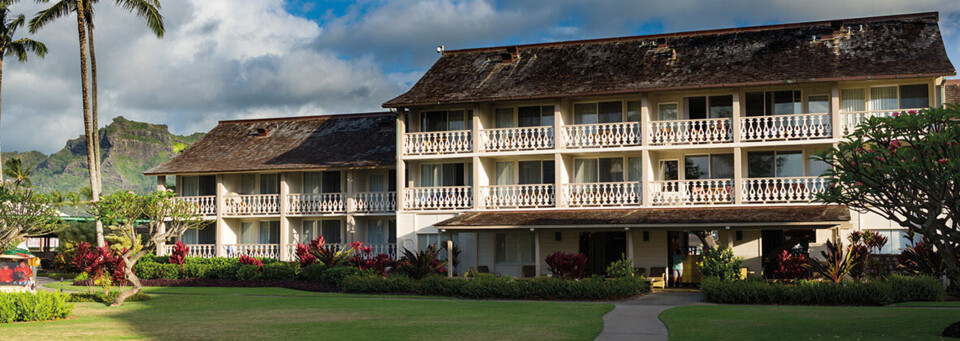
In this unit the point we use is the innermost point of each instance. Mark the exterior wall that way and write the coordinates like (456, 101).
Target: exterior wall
(749, 247)
(652, 253)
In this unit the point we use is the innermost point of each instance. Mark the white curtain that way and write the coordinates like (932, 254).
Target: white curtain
(269, 232)
(189, 236)
(376, 231)
(505, 173)
(884, 98)
(429, 175)
(852, 100)
(311, 182)
(269, 184)
(585, 170)
(307, 231)
(248, 233)
(635, 171)
(668, 111)
(585, 113)
(248, 183)
(504, 118)
(190, 185)
(378, 183)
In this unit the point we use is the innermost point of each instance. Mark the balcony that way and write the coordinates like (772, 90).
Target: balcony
(782, 190)
(438, 198)
(438, 142)
(252, 204)
(602, 135)
(600, 194)
(316, 203)
(786, 127)
(693, 192)
(713, 130)
(252, 250)
(851, 119)
(206, 204)
(375, 202)
(518, 196)
(196, 250)
(523, 138)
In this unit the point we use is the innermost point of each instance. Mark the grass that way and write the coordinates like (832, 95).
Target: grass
(946, 304)
(277, 313)
(746, 322)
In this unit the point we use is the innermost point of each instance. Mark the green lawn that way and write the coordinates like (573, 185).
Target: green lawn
(946, 304)
(735, 322)
(276, 313)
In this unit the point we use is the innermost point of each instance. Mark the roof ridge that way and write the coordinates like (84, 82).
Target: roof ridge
(311, 117)
(701, 32)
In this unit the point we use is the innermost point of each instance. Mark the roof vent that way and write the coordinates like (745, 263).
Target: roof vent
(662, 43)
(836, 25)
(259, 132)
(512, 55)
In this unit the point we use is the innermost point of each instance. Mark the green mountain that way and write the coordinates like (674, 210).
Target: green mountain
(128, 149)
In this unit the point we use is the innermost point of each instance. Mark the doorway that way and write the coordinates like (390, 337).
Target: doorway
(601, 249)
(774, 242)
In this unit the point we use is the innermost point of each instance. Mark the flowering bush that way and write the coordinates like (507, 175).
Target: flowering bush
(364, 259)
(179, 254)
(720, 263)
(420, 264)
(100, 263)
(247, 260)
(791, 266)
(567, 265)
(621, 268)
(317, 251)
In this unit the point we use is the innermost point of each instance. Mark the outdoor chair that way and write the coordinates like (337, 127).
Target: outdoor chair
(529, 271)
(658, 277)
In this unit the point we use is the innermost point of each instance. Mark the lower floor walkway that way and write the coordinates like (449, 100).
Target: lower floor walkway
(638, 319)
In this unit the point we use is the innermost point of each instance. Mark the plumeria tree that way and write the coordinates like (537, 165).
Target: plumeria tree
(905, 168)
(24, 213)
(148, 220)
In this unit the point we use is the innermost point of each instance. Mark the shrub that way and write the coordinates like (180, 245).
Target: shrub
(169, 271)
(247, 260)
(249, 272)
(920, 257)
(312, 272)
(318, 252)
(104, 298)
(420, 264)
(179, 254)
(621, 268)
(194, 270)
(488, 286)
(720, 263)
(836, 263)
(280, 271)
(876, 292)
(791, 266)
(335, 275)
(375, 284)
(39, 306)
(566, 265)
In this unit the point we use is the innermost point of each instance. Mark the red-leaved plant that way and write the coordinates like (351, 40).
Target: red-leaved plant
(99, 262)
(567, 265)
(319, 252)
(791, 266)
(364, 259)
(247, 260)
(179, 254)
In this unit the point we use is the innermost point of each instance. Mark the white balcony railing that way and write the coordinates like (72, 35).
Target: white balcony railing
(437, 142)
(851, 119)
(506, 196)
(206, 204)
(316, 203)
(522, 138)
(252, 250)
(369, 202)
(782, 190)
(195, 250)
(692, 192)
(785, 127)
(389, 249)
(602, 194)
(602, 135)
(435, 198)
(713, 130)
(252, 204)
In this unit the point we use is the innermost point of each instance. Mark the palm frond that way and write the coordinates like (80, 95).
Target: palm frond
(149, 10)
(58, 10)
(23, 46)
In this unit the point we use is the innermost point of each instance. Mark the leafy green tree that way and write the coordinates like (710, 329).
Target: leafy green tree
(905, 168)
(10, 45)
(24, 213)
(16, 171)
(147, 220)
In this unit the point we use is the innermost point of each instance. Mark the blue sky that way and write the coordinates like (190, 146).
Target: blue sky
(229, 59)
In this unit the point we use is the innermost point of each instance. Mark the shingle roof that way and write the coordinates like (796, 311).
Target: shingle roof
(907, 45)
(953, 91)
(317, 142)
(653, 216)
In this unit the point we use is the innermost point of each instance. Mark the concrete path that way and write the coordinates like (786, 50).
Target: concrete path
(637, 319)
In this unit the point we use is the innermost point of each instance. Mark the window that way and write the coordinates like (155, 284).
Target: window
(914, 96)
(190, 185)
(447, 174)
(437, 240)
(204, 235)
(445, 120)
(774, 164)
(598, 170)
(189, 236)
(852, 100)
(505, 173)
(634, 111)
(514, 248)
(381, 231)
(602, 112)
(535, 116)
(719, 166)
(702, 107)
(330, 230)
(504, 118)
(721, 106)
(269, 184)
(818, 168)
(818, 104)
(696, 108)
(269, 232)
(897, 241)
(667, 111)
(248, 233)
(769, 103)
(884, 98)
(321, 182)
(331, 182)
(669, 170)
(377, 182)
(635, 169)
(248, 183)
(308, 231)
(535, 172)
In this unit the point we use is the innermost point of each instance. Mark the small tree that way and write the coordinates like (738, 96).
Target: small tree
(24, 213)
(905, 168)
(148, 220)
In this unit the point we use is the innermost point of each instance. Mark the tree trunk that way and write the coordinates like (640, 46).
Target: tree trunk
(707, 238)
(132, 278)
(88, 134)
(95, 119)
(1, 81)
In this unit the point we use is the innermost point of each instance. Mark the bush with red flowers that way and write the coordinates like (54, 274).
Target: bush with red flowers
(567, 265)
(99, 263)
(179, 254)
(247, 260)
(791, 266)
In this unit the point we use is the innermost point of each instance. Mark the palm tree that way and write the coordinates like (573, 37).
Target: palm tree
(146, 9)
(10, 45)
(74, 199)
(15, 170)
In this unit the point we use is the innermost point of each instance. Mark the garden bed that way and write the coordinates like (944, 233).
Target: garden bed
(881, 291)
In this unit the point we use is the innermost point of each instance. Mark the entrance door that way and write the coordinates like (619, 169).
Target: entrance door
(602, 248)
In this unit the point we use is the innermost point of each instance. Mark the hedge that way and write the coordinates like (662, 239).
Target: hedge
(154, 267)
(889, 290)
(28, 306)
(488, 286)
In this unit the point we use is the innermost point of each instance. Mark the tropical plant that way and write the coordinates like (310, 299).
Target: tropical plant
(836, 262)
(16, 171)
(179, 254)
(567, 265)
(420, 264)
(720, 263)
(148, 220)
(791, 266)
(920, 257)
(905, 168)
(247, 260)
(83, 10)
(10, 45)
(317, 251)
(24, 213)
(621, 268)
(101, 264)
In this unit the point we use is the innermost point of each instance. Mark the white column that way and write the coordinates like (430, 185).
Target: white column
(450, 256)
(161, 183)
(476, 182)
(737, 114)
(738, 169)
(630, 236)
(538, 255)
(646, 179)
(351, 221)
(401, 167)
(559, 170)
(284, 222)
(221, 225)
(161, 187)
(836, 120)
(351, 190)
(646, 108)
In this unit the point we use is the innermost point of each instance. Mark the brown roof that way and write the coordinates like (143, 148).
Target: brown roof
(653, 216)
(952, 89)
(316, 142)
(907, 45)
